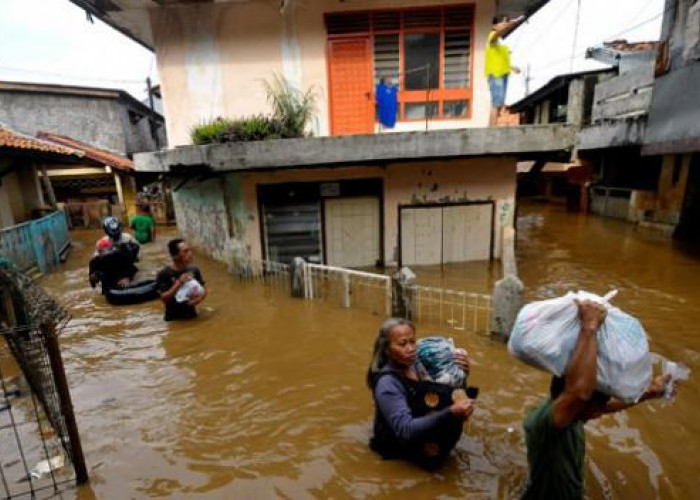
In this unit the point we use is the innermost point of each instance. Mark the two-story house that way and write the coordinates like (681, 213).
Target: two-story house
(439, 189)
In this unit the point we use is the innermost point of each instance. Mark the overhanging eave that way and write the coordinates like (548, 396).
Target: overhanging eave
(361, 149)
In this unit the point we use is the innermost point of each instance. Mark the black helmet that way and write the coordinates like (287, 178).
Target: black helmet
(113, 227)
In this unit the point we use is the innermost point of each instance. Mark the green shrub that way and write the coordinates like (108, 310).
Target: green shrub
(291, 112)
(291, 108)
(212, 132)
(253, 128)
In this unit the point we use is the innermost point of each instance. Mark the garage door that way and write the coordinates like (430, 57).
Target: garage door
(352, 232)
(450, 233)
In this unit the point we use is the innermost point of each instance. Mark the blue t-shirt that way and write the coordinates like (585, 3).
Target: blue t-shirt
(387, 104)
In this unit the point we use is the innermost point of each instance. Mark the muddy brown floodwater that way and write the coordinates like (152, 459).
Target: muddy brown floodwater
(263, 396)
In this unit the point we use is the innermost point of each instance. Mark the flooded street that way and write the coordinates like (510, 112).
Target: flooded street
(263, 396)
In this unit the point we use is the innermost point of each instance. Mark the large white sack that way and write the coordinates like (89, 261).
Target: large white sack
(545, 334)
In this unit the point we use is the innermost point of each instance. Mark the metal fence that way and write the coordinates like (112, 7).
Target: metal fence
(455, 309)
(36, 243)
(38, 431)
(348, 288)
(274, 274)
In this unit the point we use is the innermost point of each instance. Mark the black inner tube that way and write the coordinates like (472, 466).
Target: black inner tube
(136, 293)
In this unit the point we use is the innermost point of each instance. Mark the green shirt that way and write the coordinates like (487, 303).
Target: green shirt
(555, 456)
(143, 227)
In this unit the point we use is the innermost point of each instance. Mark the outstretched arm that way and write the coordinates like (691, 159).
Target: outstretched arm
(654, 391)
(506, 28)
(581, 374)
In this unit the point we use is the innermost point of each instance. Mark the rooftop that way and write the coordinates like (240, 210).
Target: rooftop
(12, 139)
(102, 156)
(554, 84)
(79, 91)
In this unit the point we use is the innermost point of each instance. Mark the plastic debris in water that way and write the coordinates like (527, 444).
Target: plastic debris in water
(46, 466)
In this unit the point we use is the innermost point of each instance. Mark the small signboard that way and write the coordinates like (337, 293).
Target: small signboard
(329, 189)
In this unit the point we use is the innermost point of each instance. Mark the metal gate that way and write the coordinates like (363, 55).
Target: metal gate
(38, 431)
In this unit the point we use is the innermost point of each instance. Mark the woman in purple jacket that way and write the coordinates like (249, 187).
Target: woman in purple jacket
(413, 418)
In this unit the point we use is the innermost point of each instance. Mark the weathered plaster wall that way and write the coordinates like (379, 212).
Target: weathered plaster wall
(96, 121)
(201, 216)
(18, 196)
(460, 180)
(212, 58)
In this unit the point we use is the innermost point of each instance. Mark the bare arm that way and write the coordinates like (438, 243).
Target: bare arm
(168, 295)
(654, 391)
(581, 374)
(197, 300)
(505, 29)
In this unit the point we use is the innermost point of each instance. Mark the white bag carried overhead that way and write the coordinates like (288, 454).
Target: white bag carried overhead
(546, 332)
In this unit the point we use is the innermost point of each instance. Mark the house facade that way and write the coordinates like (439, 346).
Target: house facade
(440, 189)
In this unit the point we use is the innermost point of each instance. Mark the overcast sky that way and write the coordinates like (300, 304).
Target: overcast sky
(51, 41)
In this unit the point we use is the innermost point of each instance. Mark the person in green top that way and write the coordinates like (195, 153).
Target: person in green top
(497, 65)
(554, 432)
(143, 224)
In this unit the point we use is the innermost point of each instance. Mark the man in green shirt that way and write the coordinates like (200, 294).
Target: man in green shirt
(554, 432)
(143, 225)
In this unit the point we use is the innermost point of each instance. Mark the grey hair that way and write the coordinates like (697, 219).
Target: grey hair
(380, 355)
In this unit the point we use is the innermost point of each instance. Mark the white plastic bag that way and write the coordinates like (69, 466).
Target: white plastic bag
(678, 371)
(189, 290)
(546, 332)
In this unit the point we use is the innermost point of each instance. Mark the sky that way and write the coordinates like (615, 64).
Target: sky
(61, 46)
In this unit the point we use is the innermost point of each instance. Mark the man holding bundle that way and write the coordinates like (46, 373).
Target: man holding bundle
(554, 432)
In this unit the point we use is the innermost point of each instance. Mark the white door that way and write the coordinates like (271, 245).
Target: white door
(445, 234)
(352, 230)
(466, 233)
(421, 236)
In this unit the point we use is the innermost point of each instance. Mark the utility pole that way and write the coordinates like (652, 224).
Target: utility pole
(573, 47)
(151, 122)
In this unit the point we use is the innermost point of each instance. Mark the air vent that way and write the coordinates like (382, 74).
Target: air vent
(458, 17)
(347, 23)
(423, 18)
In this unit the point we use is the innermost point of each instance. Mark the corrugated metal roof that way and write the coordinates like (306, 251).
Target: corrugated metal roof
(99, 155)
(15, 140)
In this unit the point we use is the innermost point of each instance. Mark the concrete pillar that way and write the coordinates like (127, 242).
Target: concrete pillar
(402, 294)
(297, 271)
(508, 292)
(120, 192)
(507, 301)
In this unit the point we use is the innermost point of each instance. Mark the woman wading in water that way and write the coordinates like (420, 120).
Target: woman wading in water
(414, 419)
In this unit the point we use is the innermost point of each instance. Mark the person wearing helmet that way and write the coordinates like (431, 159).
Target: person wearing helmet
(114, 257)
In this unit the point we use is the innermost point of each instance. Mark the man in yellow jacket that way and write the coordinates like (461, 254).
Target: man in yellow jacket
(498, 67)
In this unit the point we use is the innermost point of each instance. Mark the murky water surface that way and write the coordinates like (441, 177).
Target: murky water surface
(263, 396)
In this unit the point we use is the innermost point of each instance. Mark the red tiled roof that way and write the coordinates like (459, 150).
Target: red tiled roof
(100, 155)
(625, 46)
(15, 140)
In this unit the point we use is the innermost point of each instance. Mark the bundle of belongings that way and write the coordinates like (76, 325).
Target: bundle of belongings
(435, 362)
(545, 335)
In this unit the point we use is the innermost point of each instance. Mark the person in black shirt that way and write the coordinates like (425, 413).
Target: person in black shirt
(172, 278)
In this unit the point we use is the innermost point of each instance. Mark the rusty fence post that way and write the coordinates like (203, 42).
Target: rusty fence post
(59, 377)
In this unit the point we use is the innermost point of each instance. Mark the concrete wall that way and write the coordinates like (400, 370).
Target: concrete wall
(212, 58)
(96, 121)
(221, 217)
